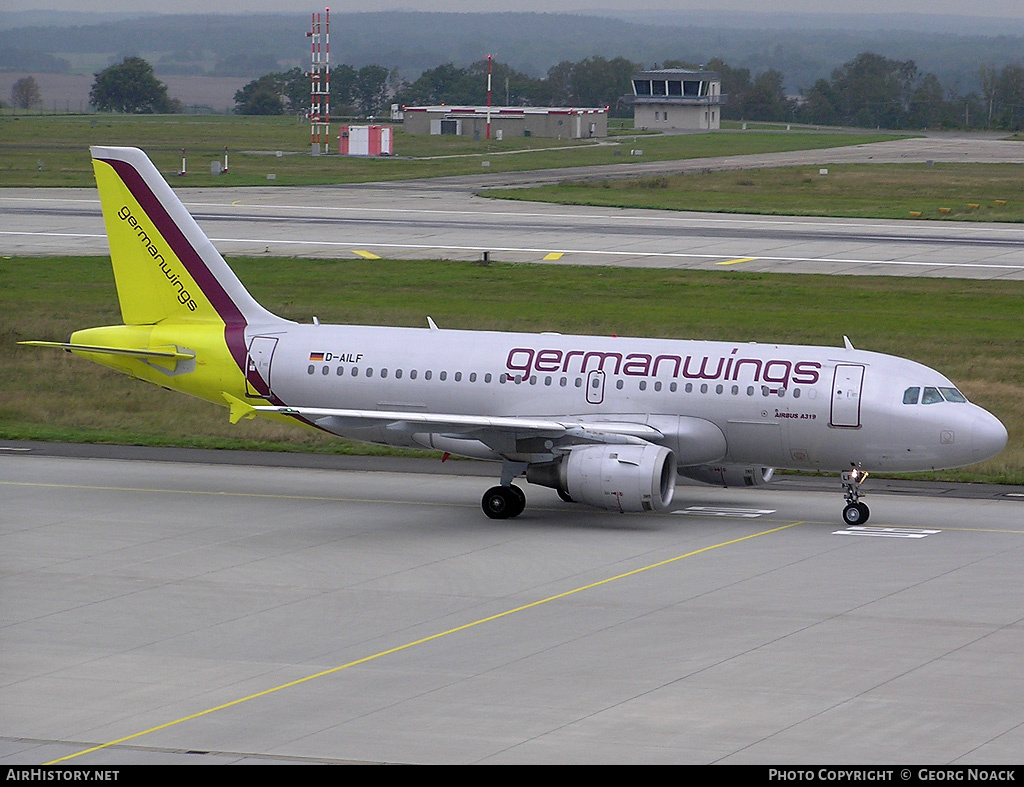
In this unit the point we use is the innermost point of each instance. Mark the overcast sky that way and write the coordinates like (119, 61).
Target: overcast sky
(999, 8)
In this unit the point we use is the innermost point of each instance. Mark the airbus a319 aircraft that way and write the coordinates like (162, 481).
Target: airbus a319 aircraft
(606, 421)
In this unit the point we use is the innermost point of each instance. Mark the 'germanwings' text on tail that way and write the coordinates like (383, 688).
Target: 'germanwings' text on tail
(606, 421)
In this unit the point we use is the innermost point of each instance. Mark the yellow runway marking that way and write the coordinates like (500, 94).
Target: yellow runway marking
(366, 255)
(424, 640)
(555, 255)
(736, 261)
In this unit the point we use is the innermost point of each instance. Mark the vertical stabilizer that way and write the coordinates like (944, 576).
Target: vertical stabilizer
(165, 267)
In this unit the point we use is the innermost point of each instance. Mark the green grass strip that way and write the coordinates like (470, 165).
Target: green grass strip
(969, 330)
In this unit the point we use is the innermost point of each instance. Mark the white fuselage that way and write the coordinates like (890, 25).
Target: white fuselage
(789, 406)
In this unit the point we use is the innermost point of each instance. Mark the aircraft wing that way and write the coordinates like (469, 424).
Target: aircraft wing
(501, 433)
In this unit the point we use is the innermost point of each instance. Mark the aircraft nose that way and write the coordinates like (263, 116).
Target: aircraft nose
(988, 435)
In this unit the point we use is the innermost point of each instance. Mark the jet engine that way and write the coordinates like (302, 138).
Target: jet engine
(626, 478)
(729, 475)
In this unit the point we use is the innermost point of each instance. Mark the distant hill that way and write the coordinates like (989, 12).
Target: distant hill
(803, 47)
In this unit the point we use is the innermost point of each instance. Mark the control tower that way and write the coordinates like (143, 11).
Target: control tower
(677, 98)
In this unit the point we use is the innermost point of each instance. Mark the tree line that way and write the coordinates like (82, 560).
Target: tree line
(868, 91)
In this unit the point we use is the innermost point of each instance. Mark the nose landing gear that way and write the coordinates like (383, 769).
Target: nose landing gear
(856, 512)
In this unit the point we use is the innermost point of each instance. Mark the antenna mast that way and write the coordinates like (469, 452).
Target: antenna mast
(320, 81)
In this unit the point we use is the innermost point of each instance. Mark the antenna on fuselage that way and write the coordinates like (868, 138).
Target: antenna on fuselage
(848, 343)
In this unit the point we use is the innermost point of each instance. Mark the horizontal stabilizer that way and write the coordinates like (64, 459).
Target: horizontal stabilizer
(166, 352)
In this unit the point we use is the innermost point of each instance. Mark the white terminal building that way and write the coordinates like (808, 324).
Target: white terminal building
(557, 122)
(677, 98)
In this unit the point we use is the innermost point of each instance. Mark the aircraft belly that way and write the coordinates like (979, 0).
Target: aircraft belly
(755, 442)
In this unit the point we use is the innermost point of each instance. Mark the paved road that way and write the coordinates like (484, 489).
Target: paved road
(444, 218)
(355, 616)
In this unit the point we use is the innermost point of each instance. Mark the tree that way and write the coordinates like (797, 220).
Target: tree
(259, 97)
(765, 100)
(1009, 97)
(593, 82)
(274, 94)
(130, 87)
(928, 106)
(820, 105)
(343, 90)
(25, 93)
(735, 86)
(372, 89)
(434, 86)
(875, 91)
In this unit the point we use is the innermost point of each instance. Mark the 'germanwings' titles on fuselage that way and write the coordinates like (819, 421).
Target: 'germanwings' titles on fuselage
(605, 420)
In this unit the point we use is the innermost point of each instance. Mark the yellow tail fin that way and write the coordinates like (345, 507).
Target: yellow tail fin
(164, 265)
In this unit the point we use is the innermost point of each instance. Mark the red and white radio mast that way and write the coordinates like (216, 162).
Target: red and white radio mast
(320, 82)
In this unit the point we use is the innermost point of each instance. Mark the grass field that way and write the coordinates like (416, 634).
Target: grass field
(970, 330)
(971, 192)
(52, 150)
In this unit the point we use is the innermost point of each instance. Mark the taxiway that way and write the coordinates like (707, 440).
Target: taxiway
(195, 611)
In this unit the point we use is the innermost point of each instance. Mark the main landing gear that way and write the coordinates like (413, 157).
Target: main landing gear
(503, 502)
(856, 512)
(508, 500)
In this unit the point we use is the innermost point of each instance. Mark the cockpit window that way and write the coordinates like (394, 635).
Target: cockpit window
(931, 396)
(952, 395)
(911, 395)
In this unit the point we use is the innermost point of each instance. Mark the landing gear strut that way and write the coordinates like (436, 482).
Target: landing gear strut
(856, 512)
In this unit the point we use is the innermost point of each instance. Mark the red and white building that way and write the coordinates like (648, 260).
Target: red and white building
(365, 141)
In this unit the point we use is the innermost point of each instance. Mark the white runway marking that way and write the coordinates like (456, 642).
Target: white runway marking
(885, 532)
(723, 511)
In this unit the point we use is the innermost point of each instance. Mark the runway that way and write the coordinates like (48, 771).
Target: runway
(196, 611)
(444, 218)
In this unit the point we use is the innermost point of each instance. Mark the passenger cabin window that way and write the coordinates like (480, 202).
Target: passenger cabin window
(911, 395)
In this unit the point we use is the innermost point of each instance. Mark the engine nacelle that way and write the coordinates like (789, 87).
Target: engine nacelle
(626, 478)
(729, 475)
